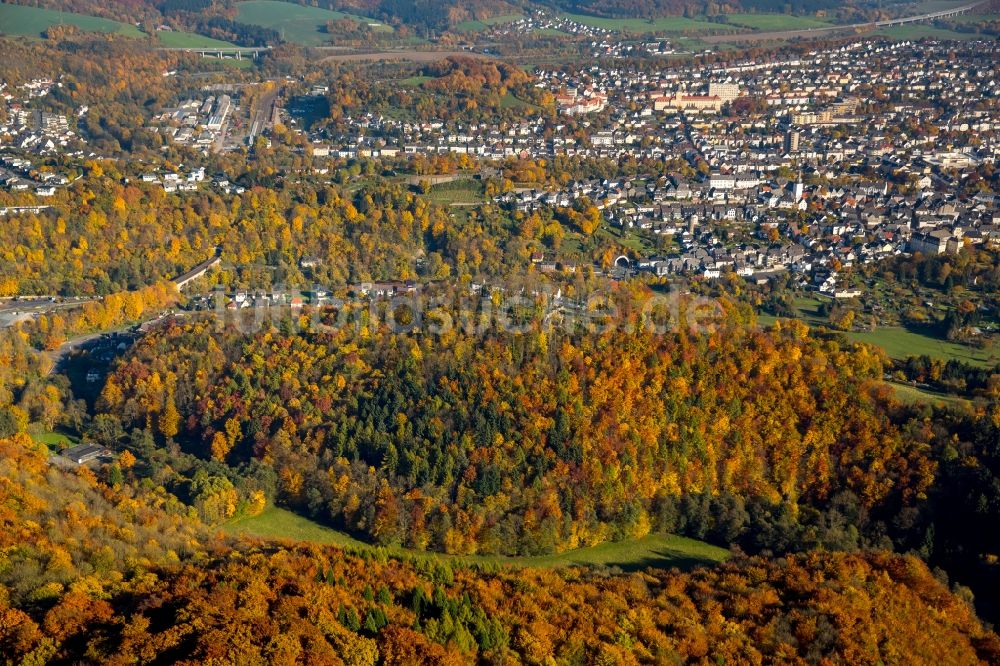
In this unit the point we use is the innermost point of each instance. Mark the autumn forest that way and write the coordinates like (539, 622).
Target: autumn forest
(384, 352)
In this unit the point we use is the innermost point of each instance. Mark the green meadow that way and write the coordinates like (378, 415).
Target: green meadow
(654, 550)
(295, 23)
(898, 342)
(33, 21)
(775, 22)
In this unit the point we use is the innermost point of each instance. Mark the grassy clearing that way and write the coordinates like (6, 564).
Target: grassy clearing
(33, 21)
(478, 26)
(662, 24)
(175, 39)
(914, 395)
(655, 550)
(295, 23)
(245, 63)
(275, 523)
(692, 44)
(510, 101)
(898, 342)
(56, 441)
(462, 191)
(414, 81)
(771, 22)
(628, 239)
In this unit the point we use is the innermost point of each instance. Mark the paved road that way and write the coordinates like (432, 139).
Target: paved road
(59, 355)
(12, 311)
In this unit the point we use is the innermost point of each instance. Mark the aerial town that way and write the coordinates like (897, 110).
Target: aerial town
(579, 332)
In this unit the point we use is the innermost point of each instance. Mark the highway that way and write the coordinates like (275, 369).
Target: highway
(954, 11)
(238, 51)
(810, 32)
(12, 310)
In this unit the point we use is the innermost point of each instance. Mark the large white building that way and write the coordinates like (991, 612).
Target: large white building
(727, 92)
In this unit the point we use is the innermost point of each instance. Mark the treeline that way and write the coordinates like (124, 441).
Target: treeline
(25, 394)
(121, 80)
(470, 75)
(951, 376)
(654, 8)
(49, 331)
(972, 269)
(107, 236)
(226, 29)
(177, 6)
(529, 444)
(303, 605)
(121, 575)
(465, 90)
(70, 537)
(533, 443)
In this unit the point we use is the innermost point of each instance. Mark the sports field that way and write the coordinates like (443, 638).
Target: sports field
(33, 21)
(654, 550)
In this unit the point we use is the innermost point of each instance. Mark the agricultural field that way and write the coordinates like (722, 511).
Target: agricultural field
(676, 24)
(296, 23)
(483, 24)
(176, 39)
(33, 21)
(769, 22)
(654, 550)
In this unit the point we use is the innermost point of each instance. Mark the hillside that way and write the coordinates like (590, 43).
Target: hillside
(303, 23)
(73, 586)
(34, 21)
